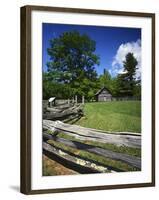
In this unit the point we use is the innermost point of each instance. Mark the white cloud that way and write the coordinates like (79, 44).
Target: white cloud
(123, 50)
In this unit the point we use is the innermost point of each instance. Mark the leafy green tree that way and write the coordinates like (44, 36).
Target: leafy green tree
(109, 82)
(105, 79)
(72, 62)
(114, 86)
(137, 89)
(72, 57)
(52, 88)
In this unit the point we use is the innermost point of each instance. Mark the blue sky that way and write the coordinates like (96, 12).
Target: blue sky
(112, 44)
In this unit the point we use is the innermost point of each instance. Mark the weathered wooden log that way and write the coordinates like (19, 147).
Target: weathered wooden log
(60, 116)
(72, 118)
(75, 107)
(62, 108)
(75, 110)
(53, 109)
(72, 162)
(83, 133)
(130, 160)
(66, 106)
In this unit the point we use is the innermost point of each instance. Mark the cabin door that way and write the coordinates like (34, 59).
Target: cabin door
(105, 98)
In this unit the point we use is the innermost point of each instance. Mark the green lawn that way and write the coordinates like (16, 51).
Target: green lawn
(112, 116)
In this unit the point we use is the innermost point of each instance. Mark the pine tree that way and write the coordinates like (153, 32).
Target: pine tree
(127, 81)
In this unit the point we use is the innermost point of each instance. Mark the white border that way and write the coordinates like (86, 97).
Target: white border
(39, 182)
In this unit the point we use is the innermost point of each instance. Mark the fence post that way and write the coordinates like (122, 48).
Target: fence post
(73, 100)
(68, 101)
(82, 99)
(76, 99)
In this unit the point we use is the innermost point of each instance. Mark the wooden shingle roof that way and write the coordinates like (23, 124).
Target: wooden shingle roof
(99, 91)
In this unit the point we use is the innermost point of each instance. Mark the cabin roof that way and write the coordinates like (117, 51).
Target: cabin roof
(99, 91)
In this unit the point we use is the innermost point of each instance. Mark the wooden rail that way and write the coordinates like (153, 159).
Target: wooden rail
(73, 162)
(131, 160)
(51, 130)
(82, 133)
(63, 112)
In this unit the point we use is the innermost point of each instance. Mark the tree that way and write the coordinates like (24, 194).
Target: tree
(105, 79)
(72, 61)
(137, 89)
(52, 88)
(72, 56)
(127, 80)
(109, 82)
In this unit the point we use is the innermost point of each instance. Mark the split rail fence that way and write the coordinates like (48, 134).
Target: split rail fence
(85, 149)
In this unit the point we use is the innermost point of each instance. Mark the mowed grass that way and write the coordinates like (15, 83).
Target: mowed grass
(112, 116)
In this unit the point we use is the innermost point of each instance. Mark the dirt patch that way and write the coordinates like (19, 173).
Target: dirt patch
(52, 168)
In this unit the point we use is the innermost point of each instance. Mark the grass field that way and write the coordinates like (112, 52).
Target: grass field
(112, 116)
(108, 116)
